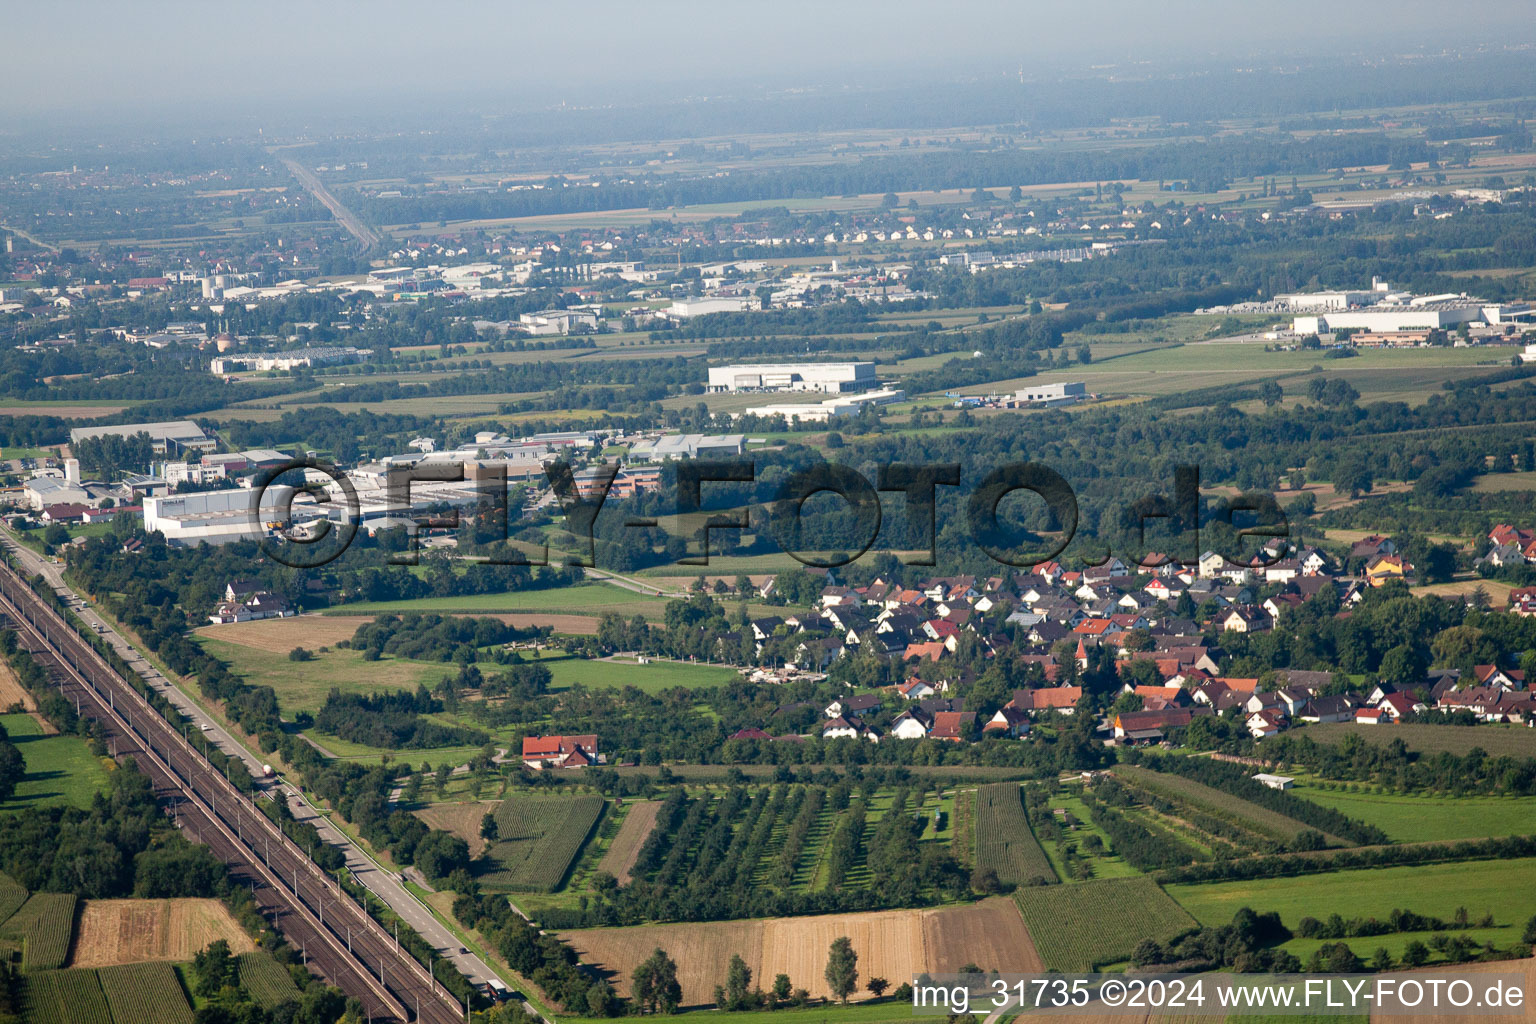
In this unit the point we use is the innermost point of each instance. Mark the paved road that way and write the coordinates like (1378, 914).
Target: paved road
(345, 217)
(386, 885)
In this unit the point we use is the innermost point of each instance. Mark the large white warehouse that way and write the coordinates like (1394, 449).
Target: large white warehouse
(831, 378)
(217, 517)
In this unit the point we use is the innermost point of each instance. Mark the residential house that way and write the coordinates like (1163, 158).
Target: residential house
(540, 752)
(858, 704)
(954, 726)
(912, 724)
(1008, 721)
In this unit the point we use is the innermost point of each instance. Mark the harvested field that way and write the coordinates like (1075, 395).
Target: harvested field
(63, 410)
(282, 635)
(463, 820)
(574, 625)
(136, 931)
(619, 859)
(1525, 968)
(893, 944)
(279, 636)
(11, 691)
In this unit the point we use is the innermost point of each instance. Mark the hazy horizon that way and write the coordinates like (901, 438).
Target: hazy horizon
(194, 61)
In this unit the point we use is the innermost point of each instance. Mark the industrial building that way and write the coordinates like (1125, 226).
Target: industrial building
(832, 408)
(688, 446)
(263, 362)
(165, 438)
(682, 309)
(1434, 315)
(1059, 393)
(831, 378)
(214, 517)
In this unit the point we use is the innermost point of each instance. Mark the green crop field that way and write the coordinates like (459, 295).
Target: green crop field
(1078, 927)
(12, 895)
(1506, 888)
(1213, 801)
(61, 770)
(65, 997)
(44, 926)
(1412, 819)
(145, 994)
(1496, 740)
(1004, 841)
(652, 677)
(267, 981)
(538, 838)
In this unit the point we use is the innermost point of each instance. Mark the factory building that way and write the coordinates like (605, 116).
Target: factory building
(215, 517)
(1059, 393)
(165, 438)
(682, 309)
(688, 446)
(1434, 314)
(831, 378)
(832, 408)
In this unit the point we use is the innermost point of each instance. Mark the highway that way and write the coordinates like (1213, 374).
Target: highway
(346, 946)
(345, 217)
(386, 885)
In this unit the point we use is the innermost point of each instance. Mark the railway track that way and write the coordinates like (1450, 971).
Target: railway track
(337, 936)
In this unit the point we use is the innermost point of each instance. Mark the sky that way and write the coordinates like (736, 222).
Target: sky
(95, 57)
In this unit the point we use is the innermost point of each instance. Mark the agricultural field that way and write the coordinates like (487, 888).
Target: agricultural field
(1506, 889)
(619, 860)
(61, 770)
(145, 994)
(893, 944)
(1413, 819)
(12, 895)
(42, 930)
(303, 685)
(589, 599)
(1516, 967)
(1080, 927)
(66, 997)
(262, 660)
(267, 981)
(1260, 821)
(1004, 841)
(1378, 374)
(1104, 863)
(113, 932)
(784, 838)
(11, 692)
(1496, 740)
(279, 636)
(462, 819)
(652, 677)
(539, 838)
